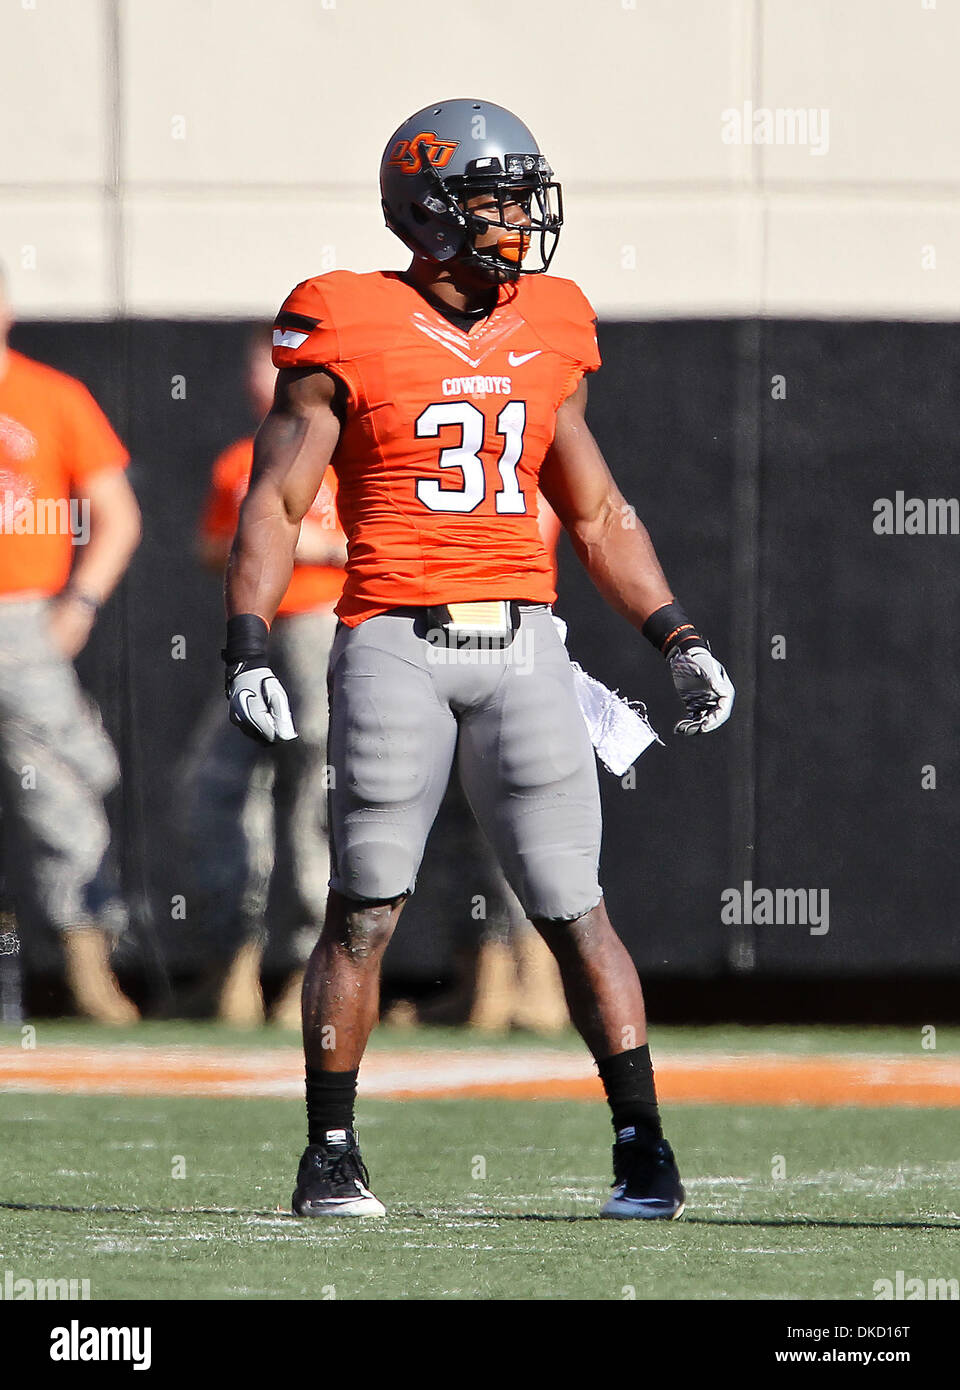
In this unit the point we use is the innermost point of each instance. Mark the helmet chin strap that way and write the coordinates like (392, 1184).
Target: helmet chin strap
(496, 274)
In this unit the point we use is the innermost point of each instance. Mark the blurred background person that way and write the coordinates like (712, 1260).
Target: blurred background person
(69, 524)
(256, 816)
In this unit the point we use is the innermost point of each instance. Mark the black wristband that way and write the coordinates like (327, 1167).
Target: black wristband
(247, 635)
(670, 630)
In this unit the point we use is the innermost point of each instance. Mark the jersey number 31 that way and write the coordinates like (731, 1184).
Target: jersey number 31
(466, 457)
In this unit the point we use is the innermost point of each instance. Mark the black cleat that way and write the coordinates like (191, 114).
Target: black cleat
(646, 1182)
(332, 1180)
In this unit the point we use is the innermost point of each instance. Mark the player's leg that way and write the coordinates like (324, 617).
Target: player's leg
(341, 1000)
(56, 766)
(605, 1000)
(600, 981)
(391, 748)
(529, 771)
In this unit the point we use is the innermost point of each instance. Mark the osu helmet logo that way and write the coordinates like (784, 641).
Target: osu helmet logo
(406, 155)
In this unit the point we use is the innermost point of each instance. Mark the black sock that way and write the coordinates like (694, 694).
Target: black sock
(628, 1081)
(331, 1096)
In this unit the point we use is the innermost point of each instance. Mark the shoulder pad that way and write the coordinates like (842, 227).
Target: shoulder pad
(562, 315)
(324, 320)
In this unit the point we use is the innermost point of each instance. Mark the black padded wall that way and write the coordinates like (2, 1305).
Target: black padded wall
(754, 452)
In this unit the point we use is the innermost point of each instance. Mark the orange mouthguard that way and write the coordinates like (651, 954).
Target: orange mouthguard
(514, 246)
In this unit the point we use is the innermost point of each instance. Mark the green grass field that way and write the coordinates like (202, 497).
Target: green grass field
(883, 1041)
(486, 1198)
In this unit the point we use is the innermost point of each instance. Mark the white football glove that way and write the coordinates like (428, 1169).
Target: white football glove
(705, 689)
(259, 705)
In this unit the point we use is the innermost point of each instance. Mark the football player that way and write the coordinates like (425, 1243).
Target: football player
(442, 396)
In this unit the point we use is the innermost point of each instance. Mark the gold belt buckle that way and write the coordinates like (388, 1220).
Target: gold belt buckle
(488, 616)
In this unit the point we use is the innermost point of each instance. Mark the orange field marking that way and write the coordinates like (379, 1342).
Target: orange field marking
(498, 1073)
(756, 1080)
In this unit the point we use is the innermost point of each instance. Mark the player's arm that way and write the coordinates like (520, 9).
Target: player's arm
(114, 519)
(617, 553)
(291, 452)
(318, 545)
(613, 545)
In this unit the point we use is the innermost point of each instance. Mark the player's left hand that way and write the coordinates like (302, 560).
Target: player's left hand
(705, 689)
(258, 704)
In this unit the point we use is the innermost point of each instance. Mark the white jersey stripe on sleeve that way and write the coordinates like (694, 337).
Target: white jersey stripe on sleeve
(286, 337)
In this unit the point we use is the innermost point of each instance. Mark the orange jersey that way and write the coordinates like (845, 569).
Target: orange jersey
(53, 437)
(445, 431)
(312, 586)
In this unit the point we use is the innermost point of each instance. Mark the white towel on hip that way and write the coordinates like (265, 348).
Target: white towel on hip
(619, 729)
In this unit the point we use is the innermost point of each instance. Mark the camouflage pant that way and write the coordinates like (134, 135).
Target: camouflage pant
(56, 766)
(256, 817)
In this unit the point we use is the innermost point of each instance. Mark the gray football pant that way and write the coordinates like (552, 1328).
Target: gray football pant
(402, 709)
(56, 766)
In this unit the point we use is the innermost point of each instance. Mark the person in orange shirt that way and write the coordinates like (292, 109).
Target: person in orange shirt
(256, 817)
(69, 524)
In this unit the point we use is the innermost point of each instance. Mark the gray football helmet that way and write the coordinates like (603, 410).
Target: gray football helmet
(448, 152)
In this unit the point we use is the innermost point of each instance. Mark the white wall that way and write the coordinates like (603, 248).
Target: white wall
(195, 157)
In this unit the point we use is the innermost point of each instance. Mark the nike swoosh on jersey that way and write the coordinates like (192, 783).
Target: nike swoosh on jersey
(517, 359)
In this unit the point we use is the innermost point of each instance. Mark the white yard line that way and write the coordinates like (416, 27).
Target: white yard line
(152, 1070)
